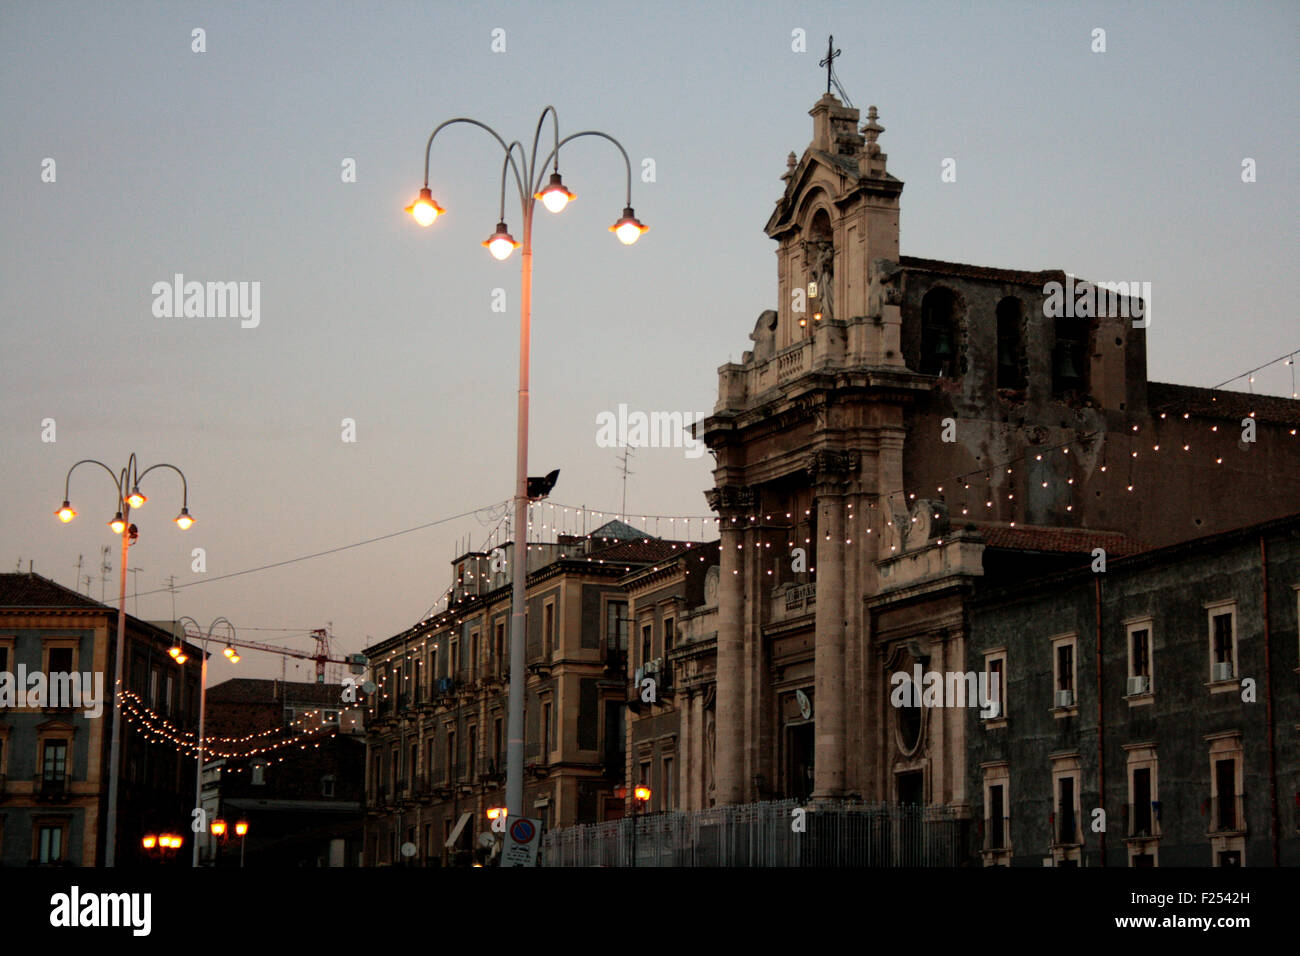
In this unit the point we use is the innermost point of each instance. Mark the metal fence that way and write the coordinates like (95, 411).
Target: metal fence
(766, 834)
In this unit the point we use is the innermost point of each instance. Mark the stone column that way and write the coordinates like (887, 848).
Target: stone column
(829, 471)
(731, 502)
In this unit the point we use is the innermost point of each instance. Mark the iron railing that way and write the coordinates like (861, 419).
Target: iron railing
(769, 834)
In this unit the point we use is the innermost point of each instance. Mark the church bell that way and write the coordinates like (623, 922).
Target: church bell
(1066, 368)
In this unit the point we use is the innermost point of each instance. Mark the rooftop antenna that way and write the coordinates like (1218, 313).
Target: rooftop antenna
(627, 454)
(171, 586)
(105, 568)
(135, 588)
(77, 582)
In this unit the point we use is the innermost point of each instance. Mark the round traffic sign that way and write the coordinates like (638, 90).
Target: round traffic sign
(522, 831)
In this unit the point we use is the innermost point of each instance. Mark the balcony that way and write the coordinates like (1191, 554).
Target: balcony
(615, 661)
(51, 787)
(1228, 815)
(444, 687)
(1065, 828)
(1143, 820)
(997, 831)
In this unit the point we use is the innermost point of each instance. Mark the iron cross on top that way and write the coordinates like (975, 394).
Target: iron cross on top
(831, 54)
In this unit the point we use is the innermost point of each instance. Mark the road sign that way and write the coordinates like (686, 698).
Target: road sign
(523, 834)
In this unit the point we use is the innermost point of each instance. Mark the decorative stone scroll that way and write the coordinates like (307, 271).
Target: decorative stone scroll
(731, 498)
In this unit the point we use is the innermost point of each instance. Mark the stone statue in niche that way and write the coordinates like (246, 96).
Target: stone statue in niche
(821, 270)
(764, 336)
(884, 289)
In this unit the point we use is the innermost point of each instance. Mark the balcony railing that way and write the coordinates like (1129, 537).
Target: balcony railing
(1065, 828)
(996, 832)
(1228, 814)
(51, 786)
(1144, 819)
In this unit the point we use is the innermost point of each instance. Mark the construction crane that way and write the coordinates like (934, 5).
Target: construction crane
(321, 655)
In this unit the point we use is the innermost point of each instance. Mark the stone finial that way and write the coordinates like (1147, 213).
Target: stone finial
(871, 129)
(790, 163)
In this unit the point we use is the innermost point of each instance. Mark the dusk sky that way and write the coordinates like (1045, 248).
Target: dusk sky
(227, 166)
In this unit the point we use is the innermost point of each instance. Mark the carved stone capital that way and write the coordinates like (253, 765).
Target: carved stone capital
(731, 498)
(831, 467)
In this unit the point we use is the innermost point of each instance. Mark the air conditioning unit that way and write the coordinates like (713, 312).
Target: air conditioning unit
(1065, 698)
(1222, 671)
(1138, 685)
(653, 666)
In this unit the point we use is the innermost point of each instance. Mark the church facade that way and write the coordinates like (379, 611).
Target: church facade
(903, 433)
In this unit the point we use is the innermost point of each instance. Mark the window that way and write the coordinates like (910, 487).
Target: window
(670, 634)
(1011, 350)
(60, 662)
(330, 717)
(1141, 819)
(1139, 660)
(1225, 817)
(259, 773)
(645, 644)
(399, 689)
(1067, 824)
(644, 778)
(4, 658)
(432, 748)
(54, 761)
(1069, 356)
(471, 758)
(547, 739)
(394, 768)
(327, 785)
(548, 631)
(453, 759)
(498, 757)
(1063, 649)
(50, 844)
(616, 625)
(997, 818)
(433, 665)
(666, 785)
(412, 762)
(995, 667)
(453, 660)
(1223, 643)
(169, 698)
(1067, 835)
(939, 317)
(499, 651)
(1227, 823)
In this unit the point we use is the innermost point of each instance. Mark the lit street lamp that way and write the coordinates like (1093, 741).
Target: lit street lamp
(199, 636)
(555, 196)
(128, 477)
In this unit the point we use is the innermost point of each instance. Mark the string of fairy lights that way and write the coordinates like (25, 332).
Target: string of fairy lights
(309, 729)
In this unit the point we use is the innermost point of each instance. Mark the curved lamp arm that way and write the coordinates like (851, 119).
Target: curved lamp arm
(508, 161)
(519, 178)
(627, 163)
(185, 488)
(117, 479)
(555, 126)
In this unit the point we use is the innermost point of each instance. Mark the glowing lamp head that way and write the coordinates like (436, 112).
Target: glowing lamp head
(184, 520)
(232, 655)
(241, 828)
(496, 813)
(149, 842)
(555, 196)
(501, 243)
(118, 524)
(629, 228)
(135, 499)
(642, 794)
(218, 828)
(178, 654)
(817, 316)
(65, 514)
(425, 209)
